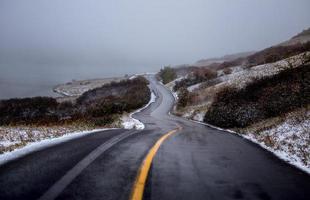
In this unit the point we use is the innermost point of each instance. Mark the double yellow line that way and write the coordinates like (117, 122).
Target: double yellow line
(138, 188)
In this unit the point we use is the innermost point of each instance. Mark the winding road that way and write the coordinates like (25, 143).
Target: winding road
(172, 158)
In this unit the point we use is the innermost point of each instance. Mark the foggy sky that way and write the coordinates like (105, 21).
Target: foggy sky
(119, 36)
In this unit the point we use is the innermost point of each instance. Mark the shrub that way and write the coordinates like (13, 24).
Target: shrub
(261, 99)
(277, 53)
(28, 110)
(114, 98)
(227, 71)
(98, 106)
(167, 74)
(184, 98)
(269, 55)
(203, 74)
(197, 76)
(102, 121)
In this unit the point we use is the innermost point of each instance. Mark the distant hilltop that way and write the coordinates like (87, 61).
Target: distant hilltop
(226, 58)
(300, 38)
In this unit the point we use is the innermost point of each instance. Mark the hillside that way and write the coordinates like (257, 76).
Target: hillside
(28, 120)
(226, 58)
(301, 38)
(264, 96)
(297, 44)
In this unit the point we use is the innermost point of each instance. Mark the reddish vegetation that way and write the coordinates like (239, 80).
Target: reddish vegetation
(268, 55)
(97, 106)
(261, 99)
(198, 75)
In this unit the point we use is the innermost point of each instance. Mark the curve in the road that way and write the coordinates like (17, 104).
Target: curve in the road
(139, 185)
(198, 162)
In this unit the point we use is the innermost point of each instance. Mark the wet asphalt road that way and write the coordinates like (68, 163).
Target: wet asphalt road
(197, 162)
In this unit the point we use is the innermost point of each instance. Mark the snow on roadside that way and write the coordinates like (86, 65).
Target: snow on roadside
(13, 137)
(128, 122)
(243, 77)
(199, 116)
(40, 144)
(171, 85)
(16, 141)
(195, 112)
(193, 87)
(289, 141)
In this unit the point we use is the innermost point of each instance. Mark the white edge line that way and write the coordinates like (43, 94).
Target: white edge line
(39, 145)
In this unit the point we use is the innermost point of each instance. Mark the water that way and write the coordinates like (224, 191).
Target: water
(19, 80)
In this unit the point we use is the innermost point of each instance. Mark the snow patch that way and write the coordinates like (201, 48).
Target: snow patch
(171, 85)
(199, 116)
(193, 87)
(188, 114)
(293, 160)
(128, 122)
(288, 140)
(285, 156)
(36, 146)
(241, 77)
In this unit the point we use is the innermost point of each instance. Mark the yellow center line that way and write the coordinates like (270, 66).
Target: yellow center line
(138, 188)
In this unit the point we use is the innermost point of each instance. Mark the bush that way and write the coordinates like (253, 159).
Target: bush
(102, 121)
(197, 76)
(227, 71)
(269, 55)
(202, 74)
(116, 97)
(98, 106)
(167, 74)
(184, 98)
(261, 99)
(28, 110)
(277, 53)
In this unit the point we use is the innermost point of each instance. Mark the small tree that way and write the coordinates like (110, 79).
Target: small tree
(167, 74)
(203, 74)
(227, 70)
(184, 97)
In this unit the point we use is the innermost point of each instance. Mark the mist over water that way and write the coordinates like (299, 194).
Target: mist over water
(44, 43)
(28, 81)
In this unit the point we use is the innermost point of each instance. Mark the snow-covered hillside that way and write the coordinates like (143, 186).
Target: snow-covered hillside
(288, 137)
(14, 137)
